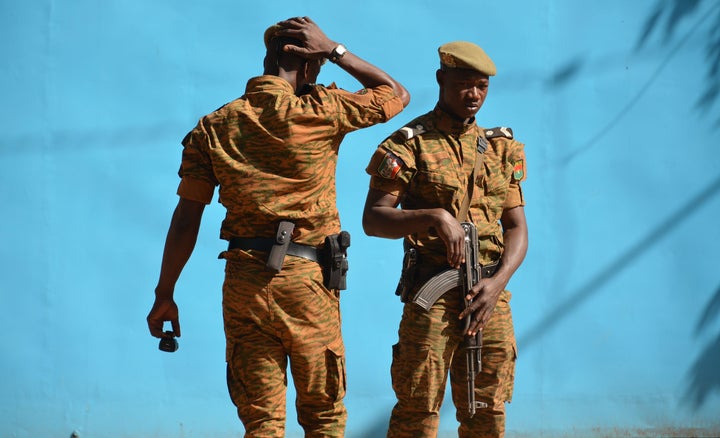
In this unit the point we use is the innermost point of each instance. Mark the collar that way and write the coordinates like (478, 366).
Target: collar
(445, 122)
(268, 83)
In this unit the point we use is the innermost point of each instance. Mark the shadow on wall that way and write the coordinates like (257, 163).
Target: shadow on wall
(642, 246)
(667, 15)
(672, 13)
(704, 376)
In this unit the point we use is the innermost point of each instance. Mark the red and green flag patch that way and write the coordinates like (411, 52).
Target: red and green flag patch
(390, 166)
(519, 170)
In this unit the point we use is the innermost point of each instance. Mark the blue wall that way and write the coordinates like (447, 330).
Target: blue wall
(617, 306)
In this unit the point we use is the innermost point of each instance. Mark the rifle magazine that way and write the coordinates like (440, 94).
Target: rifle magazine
(437, 286)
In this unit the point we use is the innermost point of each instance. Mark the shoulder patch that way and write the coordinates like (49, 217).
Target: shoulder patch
(409, 132)
(519, 170)
(500, 131)
(390, 166)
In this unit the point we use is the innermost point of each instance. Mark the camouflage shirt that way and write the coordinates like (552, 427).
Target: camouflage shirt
(429, 162)
(274, 154)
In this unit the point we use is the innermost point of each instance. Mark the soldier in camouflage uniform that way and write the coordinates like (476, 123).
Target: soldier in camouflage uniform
(273, 154)
(427, 167)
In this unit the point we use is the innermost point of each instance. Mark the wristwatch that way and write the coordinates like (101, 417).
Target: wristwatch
(338, 52)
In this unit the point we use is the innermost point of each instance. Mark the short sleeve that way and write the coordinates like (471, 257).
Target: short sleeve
(366, 107)
(519, 174)
(196, 190)
(391, 167)
(198, 180)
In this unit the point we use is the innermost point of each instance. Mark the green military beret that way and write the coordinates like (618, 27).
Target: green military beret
(270, 33)
(462, 54)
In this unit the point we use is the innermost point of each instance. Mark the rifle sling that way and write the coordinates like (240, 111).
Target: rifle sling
(451, 278)
(465, 206)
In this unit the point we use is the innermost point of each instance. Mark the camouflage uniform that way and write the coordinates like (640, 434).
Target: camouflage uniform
(274, 154)
(430, 161)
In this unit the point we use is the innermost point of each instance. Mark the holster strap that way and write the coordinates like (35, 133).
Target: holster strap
(487, 271)
(265, 244)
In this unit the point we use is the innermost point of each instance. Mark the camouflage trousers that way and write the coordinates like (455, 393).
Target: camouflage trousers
(431, 344)
(270, 320)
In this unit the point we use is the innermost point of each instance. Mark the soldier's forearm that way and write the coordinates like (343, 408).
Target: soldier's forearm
(179, 245)
(515, 237)
(371, 76)
(394, 223)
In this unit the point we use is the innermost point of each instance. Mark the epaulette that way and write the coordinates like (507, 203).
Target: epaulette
(500, 131)
(409, 132)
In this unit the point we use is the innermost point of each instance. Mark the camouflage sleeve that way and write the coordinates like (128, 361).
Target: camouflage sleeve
(195, 190)
(197, 178)
(392, 166)
(516, 159)
(366, 107)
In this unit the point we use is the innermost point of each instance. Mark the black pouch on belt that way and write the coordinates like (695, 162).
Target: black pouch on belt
(283, 236)
(335, 261)
(407, 276)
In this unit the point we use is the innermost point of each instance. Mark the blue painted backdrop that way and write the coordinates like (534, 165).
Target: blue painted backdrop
(617, 305)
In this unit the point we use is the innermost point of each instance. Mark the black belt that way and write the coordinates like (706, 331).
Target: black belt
(264, 244)
(487, 271)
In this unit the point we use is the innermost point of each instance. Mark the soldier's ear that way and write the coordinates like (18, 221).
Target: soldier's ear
(440, 76)
(302, 74)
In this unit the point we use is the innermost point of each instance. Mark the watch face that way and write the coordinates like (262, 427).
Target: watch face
(337, 53)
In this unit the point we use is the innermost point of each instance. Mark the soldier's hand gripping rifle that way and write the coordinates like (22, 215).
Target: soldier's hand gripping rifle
(465, 278)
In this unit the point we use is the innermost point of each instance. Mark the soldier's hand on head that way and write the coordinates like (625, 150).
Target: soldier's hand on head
(164, 309)
(316, 45)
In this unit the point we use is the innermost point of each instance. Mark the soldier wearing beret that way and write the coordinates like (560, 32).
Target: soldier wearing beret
(273, 153)
(443, 169)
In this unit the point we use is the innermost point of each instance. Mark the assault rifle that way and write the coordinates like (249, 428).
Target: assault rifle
(465, 278)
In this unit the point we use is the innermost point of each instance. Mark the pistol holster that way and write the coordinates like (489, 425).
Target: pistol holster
(335, 261)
